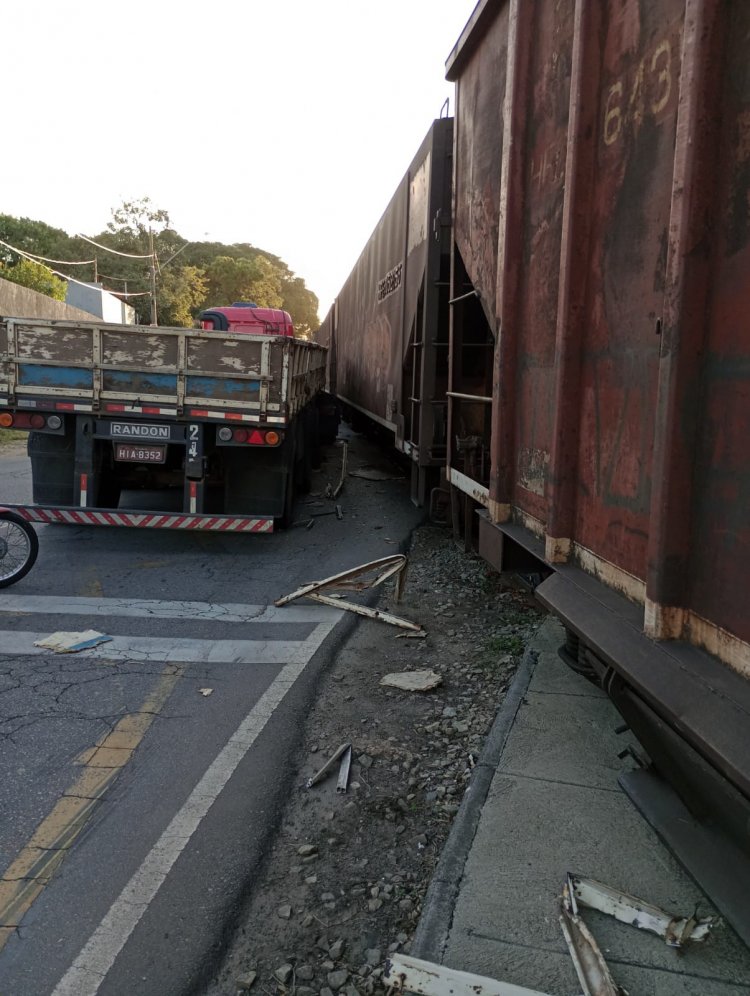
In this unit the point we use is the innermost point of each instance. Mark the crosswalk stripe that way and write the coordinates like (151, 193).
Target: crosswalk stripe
(181, 651)
(229, 612)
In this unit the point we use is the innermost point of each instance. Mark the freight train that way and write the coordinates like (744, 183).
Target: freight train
(552, 318)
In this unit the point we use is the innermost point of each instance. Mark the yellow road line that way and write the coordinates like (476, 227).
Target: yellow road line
(92, 589)
(40, 858)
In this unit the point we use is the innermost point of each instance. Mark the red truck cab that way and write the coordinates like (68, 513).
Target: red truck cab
(246, 316)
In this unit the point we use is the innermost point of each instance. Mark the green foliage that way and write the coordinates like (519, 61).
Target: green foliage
(189, 276)
(36, 277)
(243, 279)
(183, 291)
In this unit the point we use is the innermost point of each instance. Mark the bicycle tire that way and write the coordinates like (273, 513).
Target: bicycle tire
(12, 528)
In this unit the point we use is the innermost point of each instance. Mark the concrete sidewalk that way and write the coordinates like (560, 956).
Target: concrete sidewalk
(545, 801)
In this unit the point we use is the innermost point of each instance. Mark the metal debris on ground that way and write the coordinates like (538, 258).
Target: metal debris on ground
(356, 579)
(421, 635)
(205, 692)
(406, 974)
(345, 767)
(337, 490)
(412, 681)
(373, 474)
(328, 766)
(590, 965)
(676, 930)
(70, 643)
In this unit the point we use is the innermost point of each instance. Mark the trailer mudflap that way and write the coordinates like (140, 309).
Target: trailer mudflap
(75, 516)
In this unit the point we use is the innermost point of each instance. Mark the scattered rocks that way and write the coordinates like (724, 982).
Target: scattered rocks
(337, 979)
(246, 981)
(337, 949)
(284, 973)
(414, 754)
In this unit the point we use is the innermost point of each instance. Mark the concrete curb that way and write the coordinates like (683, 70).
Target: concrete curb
(431, 936)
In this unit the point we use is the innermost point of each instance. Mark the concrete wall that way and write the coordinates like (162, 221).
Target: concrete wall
(21, 302)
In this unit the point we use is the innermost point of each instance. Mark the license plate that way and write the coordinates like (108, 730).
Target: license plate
(140, 454)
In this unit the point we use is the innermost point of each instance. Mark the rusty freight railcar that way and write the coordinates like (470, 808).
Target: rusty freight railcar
(387, 331)
(599, 401)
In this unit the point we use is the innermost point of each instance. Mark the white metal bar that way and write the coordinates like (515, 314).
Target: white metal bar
(474, 489)
(428, 979)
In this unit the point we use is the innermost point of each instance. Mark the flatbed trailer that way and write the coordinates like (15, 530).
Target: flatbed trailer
(161, 427)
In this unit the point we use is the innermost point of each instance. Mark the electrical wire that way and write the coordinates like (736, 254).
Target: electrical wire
(46, 259)
(115, 252)
(64, 276)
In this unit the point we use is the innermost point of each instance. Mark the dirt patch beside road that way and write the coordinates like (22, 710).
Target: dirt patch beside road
(344, 881)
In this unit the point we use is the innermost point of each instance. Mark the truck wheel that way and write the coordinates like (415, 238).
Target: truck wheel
(288, 517)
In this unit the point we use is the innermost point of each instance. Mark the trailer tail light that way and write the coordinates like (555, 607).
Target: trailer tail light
(20, 420)
(250, 437)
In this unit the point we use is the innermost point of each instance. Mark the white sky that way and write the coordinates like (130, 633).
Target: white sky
(284, 123)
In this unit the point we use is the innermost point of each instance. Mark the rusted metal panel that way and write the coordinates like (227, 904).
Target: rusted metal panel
(543, 148)
(716, 540)
(387, 330)
(626, 261)
(602, 182)
(478, 156)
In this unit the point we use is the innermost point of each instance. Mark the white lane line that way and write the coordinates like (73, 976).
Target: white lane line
(179, 651)
(98, 956)
(158, 609)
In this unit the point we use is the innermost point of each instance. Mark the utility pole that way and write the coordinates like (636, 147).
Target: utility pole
(153, 276)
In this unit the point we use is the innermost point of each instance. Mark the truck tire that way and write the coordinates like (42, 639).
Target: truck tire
(53, 467)
(287, 519)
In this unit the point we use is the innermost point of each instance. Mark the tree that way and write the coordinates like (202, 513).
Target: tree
(232, 280)
(134, 219)
(36, 277)
(182, 294)
(301, 304)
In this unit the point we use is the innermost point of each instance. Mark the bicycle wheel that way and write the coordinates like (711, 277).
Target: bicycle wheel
(19, 547)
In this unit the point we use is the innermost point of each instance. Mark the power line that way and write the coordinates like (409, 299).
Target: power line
(64, 276)
(46, 259)
(115, 252)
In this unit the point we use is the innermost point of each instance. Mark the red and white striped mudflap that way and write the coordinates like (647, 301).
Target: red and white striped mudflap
(144, 520)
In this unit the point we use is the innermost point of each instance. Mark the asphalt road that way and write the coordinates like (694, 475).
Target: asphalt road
(141, 780)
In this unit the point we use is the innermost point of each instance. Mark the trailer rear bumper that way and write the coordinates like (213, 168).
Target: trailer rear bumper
(69, 515)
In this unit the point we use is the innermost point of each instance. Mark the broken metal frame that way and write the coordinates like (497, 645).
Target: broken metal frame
(676, 930)
(589, 962)
(385, 567)
(322, 772)
(340, 485)
(406, 974)
(345, 767)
